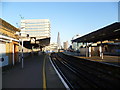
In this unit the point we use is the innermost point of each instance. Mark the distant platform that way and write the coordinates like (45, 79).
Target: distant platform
(113, 60)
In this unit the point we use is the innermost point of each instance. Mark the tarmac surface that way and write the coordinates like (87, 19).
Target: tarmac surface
(38, 72)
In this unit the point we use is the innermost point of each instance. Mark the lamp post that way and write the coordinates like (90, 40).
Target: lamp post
(22, 54)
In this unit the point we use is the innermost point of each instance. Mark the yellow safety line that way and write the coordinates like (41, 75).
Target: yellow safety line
(44, 75)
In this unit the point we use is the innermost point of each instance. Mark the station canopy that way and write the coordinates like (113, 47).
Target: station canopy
(106, 33)
(38, 43)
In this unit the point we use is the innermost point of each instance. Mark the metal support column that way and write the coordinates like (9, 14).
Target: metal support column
(19, 51)
(32, 50)
(22, 56)
(77, 48)
(90, 51)
(86, 50)
(13, 56)
(100, 49)
(39, 50)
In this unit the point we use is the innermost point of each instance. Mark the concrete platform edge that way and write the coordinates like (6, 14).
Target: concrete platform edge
(62, 80)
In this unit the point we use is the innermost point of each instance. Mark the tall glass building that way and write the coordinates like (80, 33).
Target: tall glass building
(39, 28)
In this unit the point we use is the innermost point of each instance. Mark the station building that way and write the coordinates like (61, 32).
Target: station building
(51, 48)
(9, 44)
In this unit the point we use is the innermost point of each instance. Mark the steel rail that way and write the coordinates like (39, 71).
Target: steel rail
(89, 71)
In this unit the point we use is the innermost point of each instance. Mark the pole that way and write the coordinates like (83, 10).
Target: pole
(13, 55)
(90, 51)
(39, 50)
(101, 52)
(86, 51)
(77, 48)
(19, 50)
(32, 50)
(22, 56)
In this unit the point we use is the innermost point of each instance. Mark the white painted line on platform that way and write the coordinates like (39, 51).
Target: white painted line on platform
(64, 83)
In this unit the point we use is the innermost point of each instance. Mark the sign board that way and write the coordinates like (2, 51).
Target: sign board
(3, 57)
(3, 61)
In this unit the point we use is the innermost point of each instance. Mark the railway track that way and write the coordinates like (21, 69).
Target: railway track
(79, 74)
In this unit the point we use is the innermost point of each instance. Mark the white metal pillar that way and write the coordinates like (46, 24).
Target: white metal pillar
(86, 50)
(39, 50)
(90, 51)
(100, 49)
(22, 56)
(13, 56)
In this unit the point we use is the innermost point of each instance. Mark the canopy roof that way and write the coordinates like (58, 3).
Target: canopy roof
(106, 33)
(41, 43)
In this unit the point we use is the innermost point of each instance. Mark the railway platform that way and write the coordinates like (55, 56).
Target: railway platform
(38, 72)
(112, 60)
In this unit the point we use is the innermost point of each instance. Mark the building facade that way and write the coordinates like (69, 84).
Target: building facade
(39, 28)
(9, 44)
(51, 48)
(65, 45)
(75, 45)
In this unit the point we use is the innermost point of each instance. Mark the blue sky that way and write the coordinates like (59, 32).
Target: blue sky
(68, 18)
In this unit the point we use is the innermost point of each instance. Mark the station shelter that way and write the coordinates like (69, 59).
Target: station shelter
(9, 44)
(103, 41)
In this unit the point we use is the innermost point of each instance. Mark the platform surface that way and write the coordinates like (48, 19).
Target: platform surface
(36, 68)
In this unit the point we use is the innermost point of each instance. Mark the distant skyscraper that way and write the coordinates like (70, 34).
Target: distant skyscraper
(58, 41)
